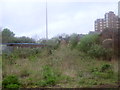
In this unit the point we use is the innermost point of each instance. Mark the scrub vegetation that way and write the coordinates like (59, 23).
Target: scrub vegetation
(73, 64)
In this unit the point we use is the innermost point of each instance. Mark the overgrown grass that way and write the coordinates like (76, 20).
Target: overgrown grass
(62, 67)
(50, 76)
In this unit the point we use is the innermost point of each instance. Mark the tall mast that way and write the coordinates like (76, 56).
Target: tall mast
(46, 23)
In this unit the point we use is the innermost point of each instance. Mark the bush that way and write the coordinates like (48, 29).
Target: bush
(105, 67)
(104, 71)
(50, 77)
(53, 43)
(94, 69)
(73, 41)
(97, 51)
(87, 41)
(12, 86)
(11, 82)
(102, 68)
(23, 53)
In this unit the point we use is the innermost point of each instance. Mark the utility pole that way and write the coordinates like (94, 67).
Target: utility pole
(46, 23)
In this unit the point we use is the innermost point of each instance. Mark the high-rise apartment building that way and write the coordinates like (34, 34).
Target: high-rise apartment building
(99, 25)
(119, 14)
(119, 9)
(109, 21)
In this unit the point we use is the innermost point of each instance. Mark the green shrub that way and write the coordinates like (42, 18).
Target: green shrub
(104, 71)
(10, 81)
(31, 53)
(97, 51)
(12, 86)
(73, 41)
(94, 69)
(53, 43)
(105, 67)
(50, 77)
(87, 41)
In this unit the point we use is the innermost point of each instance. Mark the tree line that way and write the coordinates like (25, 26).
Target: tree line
(97, 45)
(9, 37)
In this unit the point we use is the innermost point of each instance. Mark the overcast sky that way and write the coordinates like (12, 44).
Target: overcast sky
(27, 17)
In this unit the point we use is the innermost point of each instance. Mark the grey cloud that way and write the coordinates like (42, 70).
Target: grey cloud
(28, 18)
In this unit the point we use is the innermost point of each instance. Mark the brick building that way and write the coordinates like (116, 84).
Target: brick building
(110, 20)
(99, 25)
(119, 9)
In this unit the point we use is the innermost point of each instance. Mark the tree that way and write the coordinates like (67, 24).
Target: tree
(23, 39)
(87, 41)
(7, 36)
